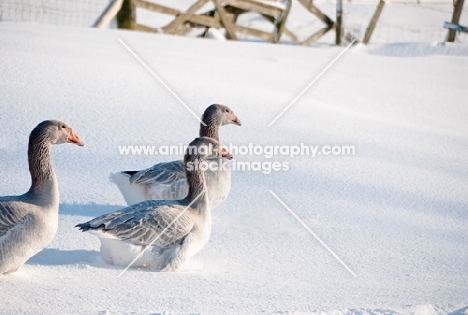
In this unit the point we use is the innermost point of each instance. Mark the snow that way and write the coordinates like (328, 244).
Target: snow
(395, 213)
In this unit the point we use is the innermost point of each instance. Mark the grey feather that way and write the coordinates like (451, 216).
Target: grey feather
(160, 174)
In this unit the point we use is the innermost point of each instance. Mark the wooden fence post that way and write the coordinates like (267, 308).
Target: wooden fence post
(339, 21)
(373, 22)
(457, 9)
(109, 13)
(126, 18)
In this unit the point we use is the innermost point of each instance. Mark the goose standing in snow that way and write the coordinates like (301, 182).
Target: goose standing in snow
(174, 230)
(167, 181)
(29, 222)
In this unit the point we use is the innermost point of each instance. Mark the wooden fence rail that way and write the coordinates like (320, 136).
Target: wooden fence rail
(225, 16)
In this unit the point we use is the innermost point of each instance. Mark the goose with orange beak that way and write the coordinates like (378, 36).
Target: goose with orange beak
(167, 181)
(29, 222)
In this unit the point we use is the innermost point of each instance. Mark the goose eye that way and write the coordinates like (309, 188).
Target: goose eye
(228, 111)
(63, 126)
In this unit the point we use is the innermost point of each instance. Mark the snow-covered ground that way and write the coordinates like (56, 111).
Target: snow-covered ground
(396, 212)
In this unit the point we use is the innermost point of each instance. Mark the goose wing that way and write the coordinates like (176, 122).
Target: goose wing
(160, 174)
(10, 216)
(147, 223)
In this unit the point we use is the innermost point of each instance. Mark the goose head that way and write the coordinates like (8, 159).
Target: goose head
(220, 115)
(56, 132)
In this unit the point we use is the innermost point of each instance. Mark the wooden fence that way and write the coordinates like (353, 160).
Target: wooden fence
(224, 15)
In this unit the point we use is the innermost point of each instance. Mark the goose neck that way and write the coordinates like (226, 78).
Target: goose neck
(43, 179)
(210, 130)
(197, 186)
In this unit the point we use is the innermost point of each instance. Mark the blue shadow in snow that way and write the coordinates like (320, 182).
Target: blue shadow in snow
(461, 311)
(54, 256)
(91, 209)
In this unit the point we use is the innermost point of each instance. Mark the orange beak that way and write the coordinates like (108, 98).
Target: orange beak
(236, 121)
(225, 153)
(73, 138)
